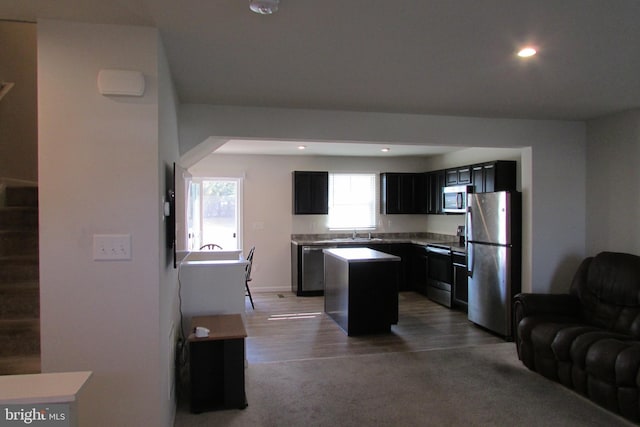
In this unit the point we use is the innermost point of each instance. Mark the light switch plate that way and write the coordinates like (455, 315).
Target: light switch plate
(112, 247)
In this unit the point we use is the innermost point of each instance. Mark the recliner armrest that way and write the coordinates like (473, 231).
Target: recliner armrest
(563, 308)
(564, 305)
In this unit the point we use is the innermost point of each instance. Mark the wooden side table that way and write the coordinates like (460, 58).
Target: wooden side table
(216, 363)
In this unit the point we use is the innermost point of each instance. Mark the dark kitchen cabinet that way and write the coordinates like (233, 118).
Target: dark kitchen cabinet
(435, 183)
(460, 283)
(419, 269)
(494, 176)
(390, 193)
(403, 193)
(458, 176)
(310, 193)
(402, 250)
(420, 193)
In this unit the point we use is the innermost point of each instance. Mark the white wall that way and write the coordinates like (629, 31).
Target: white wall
(100, 172)
(553, 164)
(613, 181)
(18, 108)
(169, 300)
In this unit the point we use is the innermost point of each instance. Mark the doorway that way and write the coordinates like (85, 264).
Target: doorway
(214, 212)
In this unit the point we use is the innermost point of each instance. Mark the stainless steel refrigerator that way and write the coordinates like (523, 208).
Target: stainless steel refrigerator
(493, 233)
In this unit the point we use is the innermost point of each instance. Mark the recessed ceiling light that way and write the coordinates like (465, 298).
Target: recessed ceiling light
(526, 52)
(385, 149)
(302, 147)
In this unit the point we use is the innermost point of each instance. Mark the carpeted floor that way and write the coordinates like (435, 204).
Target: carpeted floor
(475, 386)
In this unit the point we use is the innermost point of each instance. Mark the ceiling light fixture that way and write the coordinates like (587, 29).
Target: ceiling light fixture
(264, 7)
(385, 150)
(526, 52)
(302, 147)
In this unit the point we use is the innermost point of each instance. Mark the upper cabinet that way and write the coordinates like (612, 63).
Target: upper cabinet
(421, 193)
(310, 193)
(435, 183)
(458, 176)
(403, 193)
(494, 176)
(407, 192)
(499, 175)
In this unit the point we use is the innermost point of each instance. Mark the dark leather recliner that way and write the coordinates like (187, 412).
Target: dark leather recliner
(588, 339)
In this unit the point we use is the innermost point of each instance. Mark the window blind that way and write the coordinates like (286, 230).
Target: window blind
(352, 200)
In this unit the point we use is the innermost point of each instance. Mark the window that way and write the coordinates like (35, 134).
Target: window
(352, 200)
(213, 213)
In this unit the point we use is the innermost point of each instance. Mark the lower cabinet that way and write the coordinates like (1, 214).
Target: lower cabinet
(414, 270)
(419, 267)
(403, 250)
(460, 284)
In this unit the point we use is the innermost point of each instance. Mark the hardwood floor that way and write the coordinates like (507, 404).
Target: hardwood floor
(286, 327)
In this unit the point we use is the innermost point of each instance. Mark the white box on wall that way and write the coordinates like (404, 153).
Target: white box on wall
(120, 82)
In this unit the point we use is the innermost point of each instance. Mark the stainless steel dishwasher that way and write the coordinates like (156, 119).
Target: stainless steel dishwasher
(313, 268)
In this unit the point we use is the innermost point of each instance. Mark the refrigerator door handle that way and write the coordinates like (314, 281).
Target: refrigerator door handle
(470, 260)
(469, 232)
(469, 227)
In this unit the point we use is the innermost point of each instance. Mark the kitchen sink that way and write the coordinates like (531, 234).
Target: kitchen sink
(349, 240)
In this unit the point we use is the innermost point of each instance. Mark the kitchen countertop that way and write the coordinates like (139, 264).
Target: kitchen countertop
(351, 254)
(422, 239)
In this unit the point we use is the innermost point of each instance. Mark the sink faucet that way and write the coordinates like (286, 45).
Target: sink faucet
(354, 235)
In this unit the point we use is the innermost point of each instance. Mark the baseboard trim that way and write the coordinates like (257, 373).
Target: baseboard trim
(270, 289)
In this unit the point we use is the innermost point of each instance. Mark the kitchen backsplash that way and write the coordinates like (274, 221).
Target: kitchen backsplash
(419, 235)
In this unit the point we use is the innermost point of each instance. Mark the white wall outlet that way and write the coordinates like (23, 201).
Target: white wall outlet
(112, 247)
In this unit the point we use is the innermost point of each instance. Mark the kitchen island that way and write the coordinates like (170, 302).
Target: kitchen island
(361, 289)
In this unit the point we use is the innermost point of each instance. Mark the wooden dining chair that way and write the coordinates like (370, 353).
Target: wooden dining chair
(210, 246)
(248, 275)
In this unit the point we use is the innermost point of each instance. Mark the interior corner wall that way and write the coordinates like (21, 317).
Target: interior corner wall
(613, 181)
(18, 108)
(169, 299)
(98, 170)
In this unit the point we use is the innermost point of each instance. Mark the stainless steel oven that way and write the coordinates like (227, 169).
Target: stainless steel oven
(439, 274)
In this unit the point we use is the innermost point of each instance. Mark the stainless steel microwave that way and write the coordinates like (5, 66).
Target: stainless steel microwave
(454, 199)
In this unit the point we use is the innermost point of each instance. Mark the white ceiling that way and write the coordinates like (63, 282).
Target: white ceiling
(452, 57)
(322, 148)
